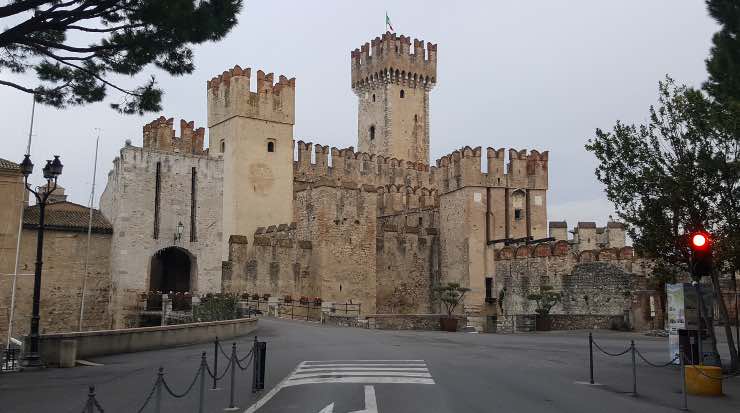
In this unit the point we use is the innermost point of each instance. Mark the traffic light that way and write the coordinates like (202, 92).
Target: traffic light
(701, 254)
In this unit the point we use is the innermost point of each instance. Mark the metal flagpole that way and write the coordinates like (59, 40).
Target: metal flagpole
(20, 232)
(89, 231)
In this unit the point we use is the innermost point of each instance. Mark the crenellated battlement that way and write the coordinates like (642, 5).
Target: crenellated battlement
(230, 95)
(459, 169)
(391, 59)
(565, 250)
(159, 134)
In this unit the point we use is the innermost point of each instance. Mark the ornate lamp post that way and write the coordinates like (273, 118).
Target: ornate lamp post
(52, 170)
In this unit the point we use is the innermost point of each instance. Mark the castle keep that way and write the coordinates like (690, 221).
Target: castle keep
(256, 211)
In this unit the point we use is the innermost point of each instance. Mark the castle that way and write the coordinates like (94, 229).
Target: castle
(258, 212)
(379, 226)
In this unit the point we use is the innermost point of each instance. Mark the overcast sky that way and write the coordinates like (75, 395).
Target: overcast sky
(525, 75)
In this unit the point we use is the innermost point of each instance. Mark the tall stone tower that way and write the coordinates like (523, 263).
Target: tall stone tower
(392, 83)
(253, 131)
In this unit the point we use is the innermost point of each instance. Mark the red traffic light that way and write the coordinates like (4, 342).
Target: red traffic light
(699, 240)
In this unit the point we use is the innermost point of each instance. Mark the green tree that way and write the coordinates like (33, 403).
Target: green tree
(675, 174)
(723, 63)
(76, 47)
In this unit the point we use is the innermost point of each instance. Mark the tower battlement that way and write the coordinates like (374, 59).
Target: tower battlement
(390, 58)
(230, 95)
(159, 134)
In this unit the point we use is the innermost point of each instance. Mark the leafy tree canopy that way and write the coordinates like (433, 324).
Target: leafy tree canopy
(723, 63)
(75, 47)
(677, 173)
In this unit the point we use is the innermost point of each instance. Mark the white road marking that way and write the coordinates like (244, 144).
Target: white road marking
(364, 380)
(371, 404)
(352, 371)
(316, 368)
(361, 374)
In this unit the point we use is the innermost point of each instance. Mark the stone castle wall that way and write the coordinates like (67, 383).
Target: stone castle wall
(128, 202)
(604, 282)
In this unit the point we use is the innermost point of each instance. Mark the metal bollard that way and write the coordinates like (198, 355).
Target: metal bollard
(634, 369)
(158, 391)
(90, 406)
(683, 382)
(202, 397)
(233, 378)
(591, 356)
(215, 365)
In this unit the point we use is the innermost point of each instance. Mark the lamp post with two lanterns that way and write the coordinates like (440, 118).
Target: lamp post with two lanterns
(32, 358)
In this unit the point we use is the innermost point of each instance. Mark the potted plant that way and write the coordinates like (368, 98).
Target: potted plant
(288, 299)
(255, 297)
(546, 299)
(317, 301)
(451, 295)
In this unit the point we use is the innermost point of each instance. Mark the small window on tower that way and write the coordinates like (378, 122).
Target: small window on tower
(373, 97)
(223, 146)
(416, 118)
(403, 93)
(270, 146)
(372, 132)
(517, 213)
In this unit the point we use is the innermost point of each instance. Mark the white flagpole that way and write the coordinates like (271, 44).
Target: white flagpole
(89, 231)
(20, 232)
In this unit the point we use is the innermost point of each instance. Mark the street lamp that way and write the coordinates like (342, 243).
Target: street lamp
(178, 232)
(52, 170)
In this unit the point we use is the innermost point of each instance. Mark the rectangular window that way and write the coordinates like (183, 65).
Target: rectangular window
(157, 191)
(517, 213)
(489, 289)
(193, 203)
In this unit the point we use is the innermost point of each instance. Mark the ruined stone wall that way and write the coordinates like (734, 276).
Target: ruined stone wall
(128, 202)
(592, 282)
(61, 283)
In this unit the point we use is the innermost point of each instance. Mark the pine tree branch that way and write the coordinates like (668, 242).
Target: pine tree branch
(107, 30)
(17, 86)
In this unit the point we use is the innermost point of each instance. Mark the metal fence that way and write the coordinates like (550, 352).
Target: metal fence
(256, 357)
(9, 360)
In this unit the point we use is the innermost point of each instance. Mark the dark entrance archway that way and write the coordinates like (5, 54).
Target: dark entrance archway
(171, 271)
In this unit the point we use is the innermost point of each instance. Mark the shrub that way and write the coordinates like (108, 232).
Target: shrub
(215, 307)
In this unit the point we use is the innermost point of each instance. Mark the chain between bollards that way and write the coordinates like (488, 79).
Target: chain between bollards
(233, 378)
(90, 406)
(202, 396)
(158, 391)
(634, 368)
(215, 365)
(591, 356)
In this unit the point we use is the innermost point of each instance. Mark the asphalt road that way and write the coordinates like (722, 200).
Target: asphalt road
(318, 369)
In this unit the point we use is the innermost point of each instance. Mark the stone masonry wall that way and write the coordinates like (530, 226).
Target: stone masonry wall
(407, 265)
(593, 282)
(128, 203)
(61, 283)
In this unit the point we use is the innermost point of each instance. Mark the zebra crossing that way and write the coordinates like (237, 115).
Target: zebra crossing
(360, 371)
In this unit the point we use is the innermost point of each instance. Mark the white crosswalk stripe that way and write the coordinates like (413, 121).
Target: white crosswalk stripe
(361, 371)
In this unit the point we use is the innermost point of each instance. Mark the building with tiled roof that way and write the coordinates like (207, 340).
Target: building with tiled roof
(67, 216)
(8, 165)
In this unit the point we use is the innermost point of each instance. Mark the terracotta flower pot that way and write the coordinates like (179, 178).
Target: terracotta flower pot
(448, 324)
(543, 323)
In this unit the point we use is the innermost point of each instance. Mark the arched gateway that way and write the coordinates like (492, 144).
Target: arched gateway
(172, 269)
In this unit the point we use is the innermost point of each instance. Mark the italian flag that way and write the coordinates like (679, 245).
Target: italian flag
(388, 22)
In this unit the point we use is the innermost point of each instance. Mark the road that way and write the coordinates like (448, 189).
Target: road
(319, 369)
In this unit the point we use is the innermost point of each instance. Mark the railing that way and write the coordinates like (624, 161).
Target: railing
(9, 360)
(347, 308)
(161, 388)
(308, 312)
